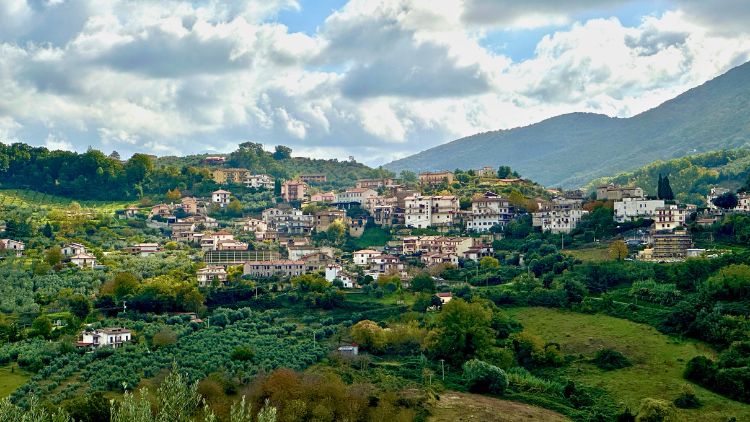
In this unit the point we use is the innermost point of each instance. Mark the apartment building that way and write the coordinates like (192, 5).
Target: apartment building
(313, 178)
(430, 211)
(258, 181)
(283, 268)
(559, 216)
(293, 190)
(487, 211)
(289, 221)
(437, 244)
(670, 217)
(373, 183)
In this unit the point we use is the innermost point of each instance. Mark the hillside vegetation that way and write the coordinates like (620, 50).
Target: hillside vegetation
(96, 176)
(691, 177)
(572, 149)
(658, 360)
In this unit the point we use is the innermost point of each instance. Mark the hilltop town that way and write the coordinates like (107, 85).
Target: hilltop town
(248, 263)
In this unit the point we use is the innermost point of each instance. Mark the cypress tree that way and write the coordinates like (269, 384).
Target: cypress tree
(668, 194)
(660, 188)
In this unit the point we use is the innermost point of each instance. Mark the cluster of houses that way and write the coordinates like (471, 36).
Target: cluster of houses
(668, 238)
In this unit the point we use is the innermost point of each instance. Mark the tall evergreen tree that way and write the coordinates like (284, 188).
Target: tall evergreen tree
(668, 194)
(660, 188)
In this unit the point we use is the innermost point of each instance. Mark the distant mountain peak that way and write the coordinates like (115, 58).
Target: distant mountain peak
(571, 149)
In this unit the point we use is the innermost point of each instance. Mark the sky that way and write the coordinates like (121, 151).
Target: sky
(376, 80)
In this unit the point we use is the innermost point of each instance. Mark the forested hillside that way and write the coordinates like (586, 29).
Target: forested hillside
(572, 149)
(94, 175)
(690, 177)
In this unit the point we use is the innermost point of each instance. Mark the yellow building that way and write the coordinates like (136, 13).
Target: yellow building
(231, 175)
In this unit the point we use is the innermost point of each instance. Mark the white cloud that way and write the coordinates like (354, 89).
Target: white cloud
(380, 79)
(54, 143)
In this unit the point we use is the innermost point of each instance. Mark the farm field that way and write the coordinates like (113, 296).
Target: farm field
(658, 360)
(11, 379)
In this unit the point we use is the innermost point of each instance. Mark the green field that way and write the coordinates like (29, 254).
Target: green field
(658, 360)
(590, 254)
(28, 198)
(10, 380)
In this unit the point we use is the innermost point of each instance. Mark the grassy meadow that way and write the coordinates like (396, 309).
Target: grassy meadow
(658, 360)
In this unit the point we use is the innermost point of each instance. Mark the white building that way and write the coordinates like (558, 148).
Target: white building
(430, 211)
(259, 181)
(358, 195)
(362, 257)
(207, 275)
(83, 260)
(560, 216)
(71, 249)
(487, 211)
(15, 246)
(743, 200)
(335, 271)
(221, 197)
(631, 209)
(104, 337)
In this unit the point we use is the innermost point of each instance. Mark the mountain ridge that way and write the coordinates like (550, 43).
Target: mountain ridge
(577, 147)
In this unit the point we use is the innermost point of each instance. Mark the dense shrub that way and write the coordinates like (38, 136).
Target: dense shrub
(608, 359)
(484, 378)
(687, 399)
(653, 410)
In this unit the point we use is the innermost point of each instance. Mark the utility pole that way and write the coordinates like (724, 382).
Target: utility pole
(124, 306)
(442, 366)
(562, 241)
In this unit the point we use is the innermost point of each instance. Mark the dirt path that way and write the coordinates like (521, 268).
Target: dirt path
(455, 406)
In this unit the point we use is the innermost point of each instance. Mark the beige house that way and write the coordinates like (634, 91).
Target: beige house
(670, 217)
(189, 205)
(616, 193)
(323, 197)
(436, 178)
(230, 175)
(323, 219)
(83, 260)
